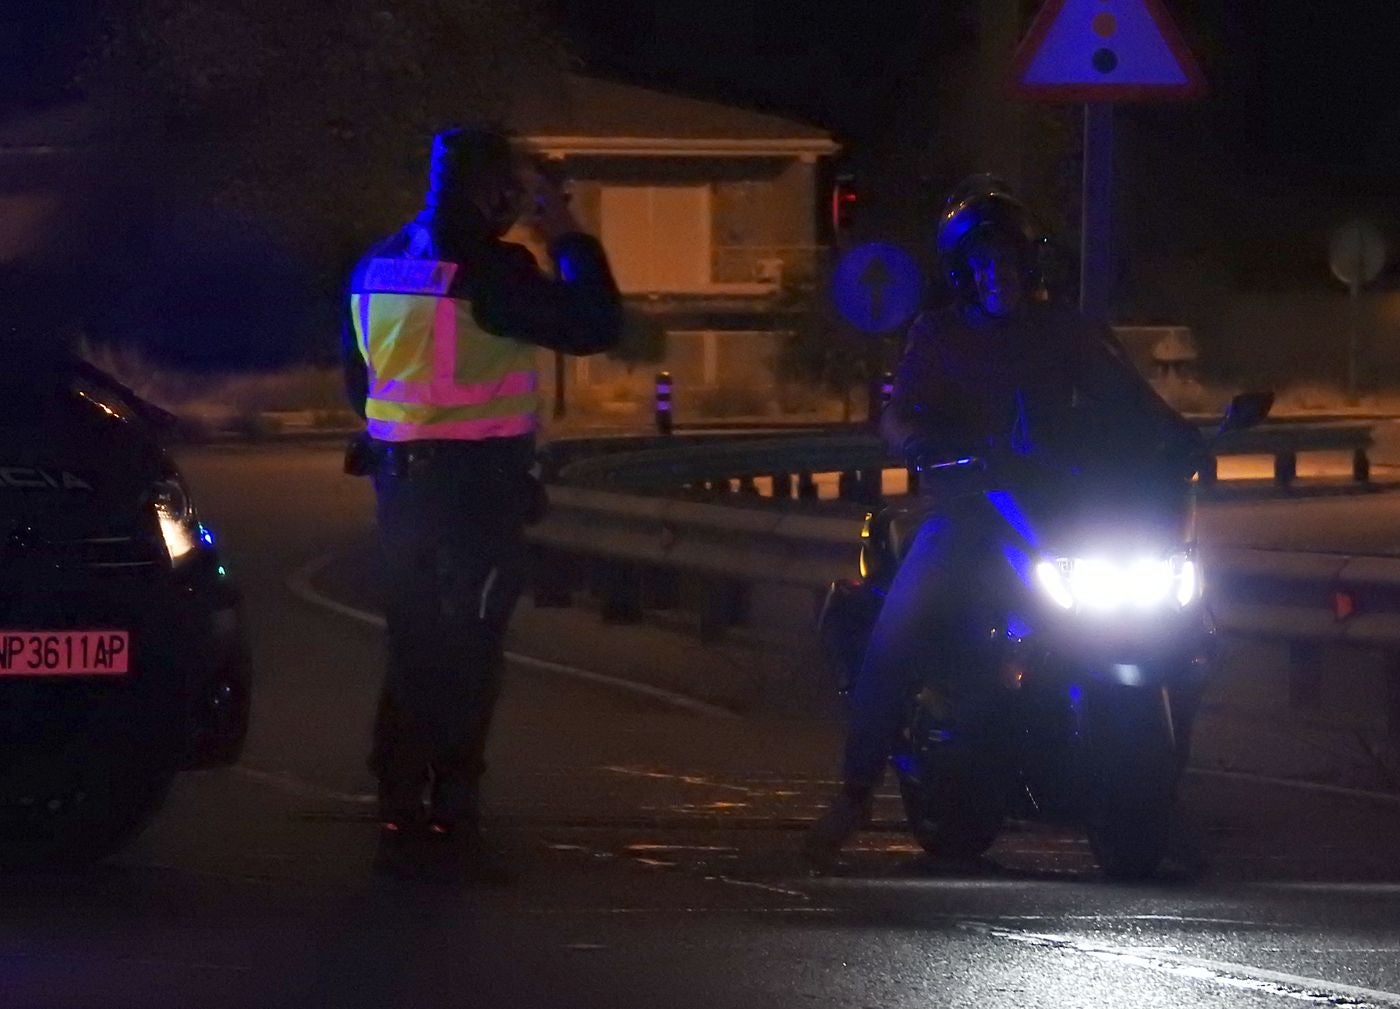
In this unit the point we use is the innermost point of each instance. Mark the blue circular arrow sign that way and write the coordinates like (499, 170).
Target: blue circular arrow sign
(877, 287)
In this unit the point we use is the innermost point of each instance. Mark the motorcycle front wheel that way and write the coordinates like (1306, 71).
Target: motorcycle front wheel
(951, 771)
(1133, 770)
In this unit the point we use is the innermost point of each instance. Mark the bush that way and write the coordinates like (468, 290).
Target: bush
(737, 402)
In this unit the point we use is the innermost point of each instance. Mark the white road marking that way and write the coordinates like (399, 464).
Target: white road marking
(765, 887)
(1306, 786)
(486, 592)
(295, 786)
(1169, 919)
(1379, 889)
(299, 584)
(1219, 972)
(676, 910)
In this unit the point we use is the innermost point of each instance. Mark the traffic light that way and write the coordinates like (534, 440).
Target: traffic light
(844, 199)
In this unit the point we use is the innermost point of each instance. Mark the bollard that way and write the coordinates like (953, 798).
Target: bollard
(881, 392)
(806, 487)
(665, 421)
(1361, 466)
(782, 486)
(1285, 469)
(848, 486)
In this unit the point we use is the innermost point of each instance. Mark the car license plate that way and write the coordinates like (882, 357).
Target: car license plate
(65, 653)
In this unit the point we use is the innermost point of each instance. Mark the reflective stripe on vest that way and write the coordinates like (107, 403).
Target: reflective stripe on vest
(433, 371)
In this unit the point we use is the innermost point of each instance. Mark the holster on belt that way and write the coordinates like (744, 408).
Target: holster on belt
(361, 458)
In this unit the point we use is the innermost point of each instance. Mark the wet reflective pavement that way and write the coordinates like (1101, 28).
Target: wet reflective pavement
(657, 851)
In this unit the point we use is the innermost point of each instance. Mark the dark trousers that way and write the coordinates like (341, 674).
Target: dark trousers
(451, 558)
(905, 644)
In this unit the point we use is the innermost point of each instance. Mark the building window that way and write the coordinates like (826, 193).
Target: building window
(658, 237)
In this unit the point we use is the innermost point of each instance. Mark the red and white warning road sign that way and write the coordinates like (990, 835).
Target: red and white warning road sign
(1106, 51)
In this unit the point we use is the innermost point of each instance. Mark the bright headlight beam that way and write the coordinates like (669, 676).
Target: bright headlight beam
(1188, 583)
(1149, 582)
(1096, 584)
(179, 541)
(1105, 586)
(1053, 583)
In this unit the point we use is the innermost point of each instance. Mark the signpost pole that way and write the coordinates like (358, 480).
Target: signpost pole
(1354, 337)
(1096, 224)
(1357, 256)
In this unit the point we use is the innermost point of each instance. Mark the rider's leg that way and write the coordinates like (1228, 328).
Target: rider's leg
(899, 651)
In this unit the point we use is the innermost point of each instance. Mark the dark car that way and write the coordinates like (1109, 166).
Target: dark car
(123, 658)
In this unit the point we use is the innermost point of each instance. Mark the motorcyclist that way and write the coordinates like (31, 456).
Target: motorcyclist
(1019, 381)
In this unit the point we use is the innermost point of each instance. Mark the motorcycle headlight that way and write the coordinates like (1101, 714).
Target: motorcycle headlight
(1100, 585)
(179, 528)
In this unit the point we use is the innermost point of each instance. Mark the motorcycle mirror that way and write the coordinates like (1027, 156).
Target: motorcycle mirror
(1246, 410)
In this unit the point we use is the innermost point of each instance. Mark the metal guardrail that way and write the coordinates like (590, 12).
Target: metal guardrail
(609, 526)
(716, 462)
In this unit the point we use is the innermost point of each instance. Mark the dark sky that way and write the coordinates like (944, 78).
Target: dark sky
(1307, 88)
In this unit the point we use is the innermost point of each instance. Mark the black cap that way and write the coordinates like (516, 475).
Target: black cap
(463, 158)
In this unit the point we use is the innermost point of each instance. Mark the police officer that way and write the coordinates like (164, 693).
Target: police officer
(1010, 376)
(445, 323)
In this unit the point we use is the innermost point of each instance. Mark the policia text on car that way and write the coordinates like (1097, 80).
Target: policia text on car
(440, 351)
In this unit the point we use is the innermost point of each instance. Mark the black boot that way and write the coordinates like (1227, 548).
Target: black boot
(399, 853)
(848, 814)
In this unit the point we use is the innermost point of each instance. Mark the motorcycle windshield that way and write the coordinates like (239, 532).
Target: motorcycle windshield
(1122, 511)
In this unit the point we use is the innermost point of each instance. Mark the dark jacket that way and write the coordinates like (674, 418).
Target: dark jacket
(580, 313)
(1047, 385)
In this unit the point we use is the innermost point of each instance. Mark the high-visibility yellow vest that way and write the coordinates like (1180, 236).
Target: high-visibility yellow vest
(434, 373)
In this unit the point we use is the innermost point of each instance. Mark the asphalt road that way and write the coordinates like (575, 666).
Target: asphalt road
(657, 852)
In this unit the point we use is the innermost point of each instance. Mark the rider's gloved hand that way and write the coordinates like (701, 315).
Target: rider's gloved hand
(919, 451)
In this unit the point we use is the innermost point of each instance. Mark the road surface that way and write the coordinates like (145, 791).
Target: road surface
(657, 847)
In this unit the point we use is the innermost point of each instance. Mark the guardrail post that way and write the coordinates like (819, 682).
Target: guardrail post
(806, 487)
(714, 613)
(848, 486)
(665, 419)
(1304, 675)
(1210, 471)
(1361, 466)
(871, 485)
(747, 486)
(1393, 715)
(1285, 468)
(723, 604)
(661, 589)
(622, 593)
(782, 485)
(551, 573)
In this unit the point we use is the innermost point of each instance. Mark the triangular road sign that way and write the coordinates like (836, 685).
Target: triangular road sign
(1106, 51)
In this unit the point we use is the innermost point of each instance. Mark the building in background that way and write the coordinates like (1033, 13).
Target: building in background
(711, 216)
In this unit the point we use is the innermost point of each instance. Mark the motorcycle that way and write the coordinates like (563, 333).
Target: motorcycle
(1067, 683)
